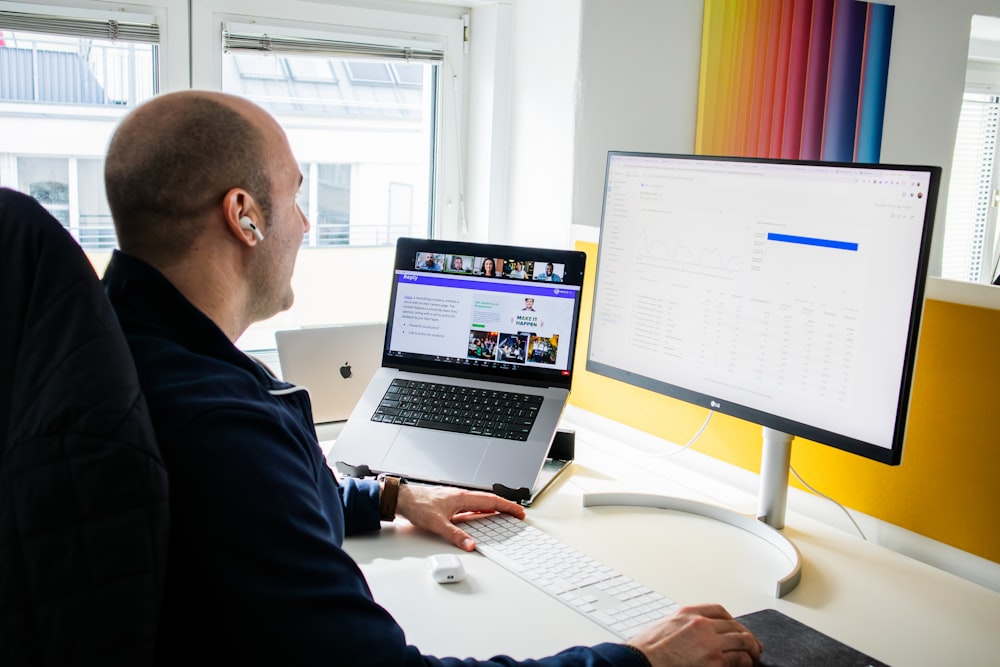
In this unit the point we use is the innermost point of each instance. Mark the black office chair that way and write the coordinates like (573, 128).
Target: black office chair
(83, 489)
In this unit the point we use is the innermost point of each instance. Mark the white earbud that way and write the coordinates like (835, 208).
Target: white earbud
(247, 223)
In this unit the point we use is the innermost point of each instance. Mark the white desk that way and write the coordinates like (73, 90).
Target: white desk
(896, 609)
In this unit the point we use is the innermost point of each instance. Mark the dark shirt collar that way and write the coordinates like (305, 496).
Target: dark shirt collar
(148, 304)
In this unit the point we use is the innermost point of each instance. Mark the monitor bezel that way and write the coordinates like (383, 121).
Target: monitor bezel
(891, 455)
(574, 262)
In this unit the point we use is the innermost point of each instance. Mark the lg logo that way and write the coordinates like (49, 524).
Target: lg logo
(715, 404)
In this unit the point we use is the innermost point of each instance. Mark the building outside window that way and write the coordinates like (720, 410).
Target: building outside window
(367, 124)
(60, 98)
(362, 116)
(362, 110)
(372, 113)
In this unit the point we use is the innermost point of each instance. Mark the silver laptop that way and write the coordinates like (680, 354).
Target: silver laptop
(494, 321)
(334, 363)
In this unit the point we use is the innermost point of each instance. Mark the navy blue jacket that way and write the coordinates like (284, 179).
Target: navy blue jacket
(256, 572)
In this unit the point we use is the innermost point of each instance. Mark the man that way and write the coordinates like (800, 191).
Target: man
(431, 263)
(529, 304)
(549, 276)
(202, 191)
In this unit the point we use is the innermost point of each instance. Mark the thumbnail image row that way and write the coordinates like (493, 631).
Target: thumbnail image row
(515, 348)
(490, 267)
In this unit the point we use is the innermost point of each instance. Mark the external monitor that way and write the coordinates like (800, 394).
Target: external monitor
(786, 293)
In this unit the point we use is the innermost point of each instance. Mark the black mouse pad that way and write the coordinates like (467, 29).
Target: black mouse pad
(790, 643)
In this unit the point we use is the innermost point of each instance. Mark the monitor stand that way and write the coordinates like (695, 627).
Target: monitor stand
(775, 462)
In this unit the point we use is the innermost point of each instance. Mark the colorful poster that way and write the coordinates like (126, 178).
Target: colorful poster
(796, 79)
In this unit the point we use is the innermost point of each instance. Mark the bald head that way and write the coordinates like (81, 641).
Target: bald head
(174, 158)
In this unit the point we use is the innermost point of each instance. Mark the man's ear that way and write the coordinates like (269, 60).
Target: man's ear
(242, 216)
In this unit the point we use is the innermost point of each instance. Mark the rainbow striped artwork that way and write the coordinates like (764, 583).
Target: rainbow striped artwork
(797, 79)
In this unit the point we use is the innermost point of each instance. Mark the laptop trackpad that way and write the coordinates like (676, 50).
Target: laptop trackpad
(436, 456)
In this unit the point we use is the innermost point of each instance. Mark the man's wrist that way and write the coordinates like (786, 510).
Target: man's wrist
(639, 654)
(388, 497)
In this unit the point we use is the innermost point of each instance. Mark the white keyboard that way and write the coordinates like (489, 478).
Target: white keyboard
(620, 604)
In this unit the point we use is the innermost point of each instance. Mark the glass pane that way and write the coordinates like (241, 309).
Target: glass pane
(97, 231)
(39, 67)
(369, 71)
(45, 179)
(366, 125)
(333, 205)
(311, 69)
(409, 74)
(967, 255)
(53, 142)
(363, 132)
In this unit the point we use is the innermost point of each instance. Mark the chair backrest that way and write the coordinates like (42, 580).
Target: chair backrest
(83, 489)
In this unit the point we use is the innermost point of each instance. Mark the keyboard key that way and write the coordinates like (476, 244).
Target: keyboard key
(618, 603)
(489, 413)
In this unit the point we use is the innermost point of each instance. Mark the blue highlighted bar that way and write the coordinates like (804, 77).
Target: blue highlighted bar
(807, 240)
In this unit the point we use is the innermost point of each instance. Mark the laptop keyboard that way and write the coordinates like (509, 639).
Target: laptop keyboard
(444, 407)
(621, 604)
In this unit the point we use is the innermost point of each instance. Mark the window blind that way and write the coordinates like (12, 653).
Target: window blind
(968, 243)
(79, 26)
(239, 40)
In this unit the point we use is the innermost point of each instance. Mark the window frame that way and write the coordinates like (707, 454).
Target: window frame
(974, 123)
(443, 27)
(80, 18)
(960, 291)
(170, 15)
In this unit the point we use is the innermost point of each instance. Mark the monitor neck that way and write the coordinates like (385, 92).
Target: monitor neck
(775, 461)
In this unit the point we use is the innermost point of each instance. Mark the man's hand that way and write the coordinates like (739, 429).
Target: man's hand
(435, 508)
(699, 635)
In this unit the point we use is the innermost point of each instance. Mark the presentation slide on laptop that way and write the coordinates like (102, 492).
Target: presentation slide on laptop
(483, 321)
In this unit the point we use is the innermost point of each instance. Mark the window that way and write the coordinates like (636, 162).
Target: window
(971, 250)
(359, 92)
(67, 81)
(970, 239)
(360, 95)
(47, 180)
(365, 125)
(328, 204)
(365, 144)
(96, 230)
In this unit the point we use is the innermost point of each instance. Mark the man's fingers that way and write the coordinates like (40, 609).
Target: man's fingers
(716, 611)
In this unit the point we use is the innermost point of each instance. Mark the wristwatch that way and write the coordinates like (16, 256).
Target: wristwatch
(389, 496)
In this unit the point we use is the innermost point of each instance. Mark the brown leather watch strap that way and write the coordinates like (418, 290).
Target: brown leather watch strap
(388, 497)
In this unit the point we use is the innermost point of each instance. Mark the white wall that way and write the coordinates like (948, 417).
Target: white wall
(546, 35)
(638, 81)
(522, 100)
(484, 193)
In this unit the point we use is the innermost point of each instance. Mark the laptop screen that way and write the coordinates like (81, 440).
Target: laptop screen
(485, 311)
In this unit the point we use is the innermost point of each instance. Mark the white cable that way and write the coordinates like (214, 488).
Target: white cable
(826, 497)
(794, 472)
(689, 442)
